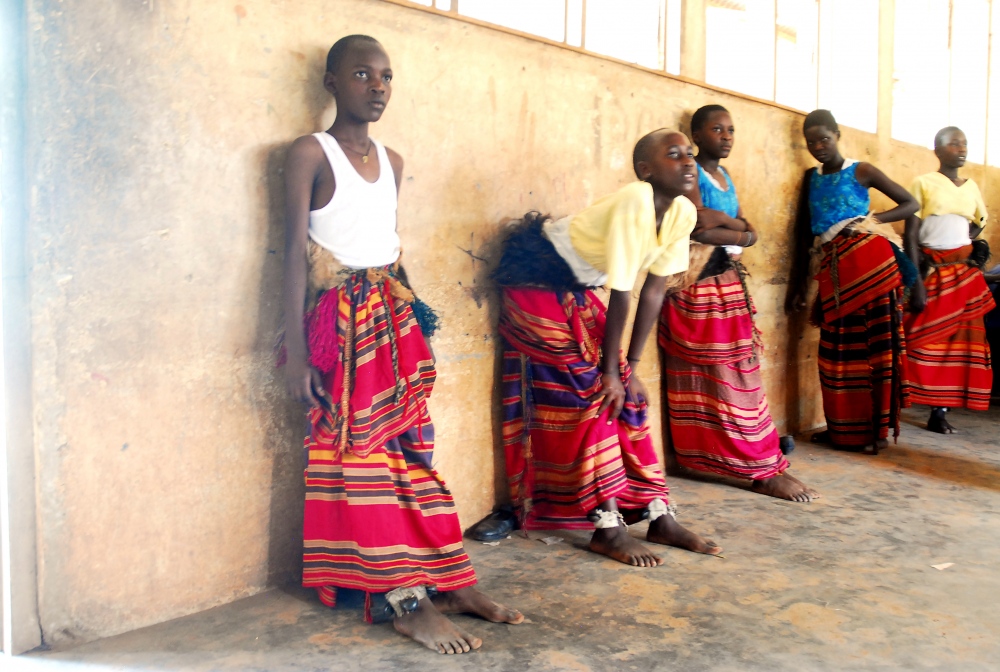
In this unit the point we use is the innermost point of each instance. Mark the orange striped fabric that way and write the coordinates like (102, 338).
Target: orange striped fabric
(719, 418)
(948, 363)
(563, 459)
(377, 515)
(855, 269)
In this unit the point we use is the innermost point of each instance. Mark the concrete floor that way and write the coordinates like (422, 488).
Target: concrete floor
(842, 583)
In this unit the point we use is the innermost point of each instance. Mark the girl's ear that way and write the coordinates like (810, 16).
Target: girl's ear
(330, 82)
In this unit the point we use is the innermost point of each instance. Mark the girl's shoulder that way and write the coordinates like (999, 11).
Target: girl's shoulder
(725, 172)
(862, 170)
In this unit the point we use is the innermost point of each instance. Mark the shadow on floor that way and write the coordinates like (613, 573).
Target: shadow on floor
(845, 582)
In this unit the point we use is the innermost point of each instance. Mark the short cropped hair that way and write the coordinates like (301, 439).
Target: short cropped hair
(820, 118)
(643, 147)
(702, 114)
(943, 133)
(340, 48)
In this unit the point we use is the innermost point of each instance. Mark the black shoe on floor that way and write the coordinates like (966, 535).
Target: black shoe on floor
(496, 526)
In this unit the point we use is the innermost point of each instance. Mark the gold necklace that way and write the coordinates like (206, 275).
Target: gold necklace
(364, 157)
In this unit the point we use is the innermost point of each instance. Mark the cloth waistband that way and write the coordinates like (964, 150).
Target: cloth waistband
(326, 273)
(866, 224)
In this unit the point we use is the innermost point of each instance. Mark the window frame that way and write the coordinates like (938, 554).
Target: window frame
(884, 99)
(453, 14)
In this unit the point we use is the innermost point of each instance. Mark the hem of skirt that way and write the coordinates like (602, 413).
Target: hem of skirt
(721, 470)
(935, 400)
(419, 581)
(854, 442)
(409, 580)
(535, 526)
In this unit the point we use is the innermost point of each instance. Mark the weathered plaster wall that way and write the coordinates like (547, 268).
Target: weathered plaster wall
(168, 460)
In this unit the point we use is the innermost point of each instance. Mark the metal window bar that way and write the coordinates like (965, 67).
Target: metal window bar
(565, 22)
(661, 46)
(989, 76)
(819, 49)
(774, 63)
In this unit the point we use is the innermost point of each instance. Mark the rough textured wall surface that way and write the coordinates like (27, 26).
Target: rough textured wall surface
(169, 461)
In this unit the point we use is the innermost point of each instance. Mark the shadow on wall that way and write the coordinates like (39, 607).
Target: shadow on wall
(492, 251)
(283, 420)
(799, 325)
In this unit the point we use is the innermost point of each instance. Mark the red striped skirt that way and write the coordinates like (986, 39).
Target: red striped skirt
(948, 358)
(855, 269)
(377, 515)
(719, 418)
(563, 460)
(862, 349)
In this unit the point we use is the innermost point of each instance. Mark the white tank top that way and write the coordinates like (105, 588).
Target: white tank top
(358, 225)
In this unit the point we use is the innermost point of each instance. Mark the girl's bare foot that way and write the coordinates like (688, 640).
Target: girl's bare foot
(667, 531)
(471, 601)
(433, 629)
(815, 493)
(618, 544)
(785, 486)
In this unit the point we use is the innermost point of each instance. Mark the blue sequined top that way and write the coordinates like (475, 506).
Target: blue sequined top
(836, 197)
(716, 199)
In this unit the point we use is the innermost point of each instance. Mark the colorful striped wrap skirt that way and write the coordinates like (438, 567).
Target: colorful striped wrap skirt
(948, 357)
(862, 349)
(719, 418)
(563, 459)
(377, 515)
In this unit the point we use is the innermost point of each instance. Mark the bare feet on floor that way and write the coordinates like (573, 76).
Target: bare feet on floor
(618, 544)
(471, 601)
(431, 628)
(667, 531)
(938, 422)
(785, 486)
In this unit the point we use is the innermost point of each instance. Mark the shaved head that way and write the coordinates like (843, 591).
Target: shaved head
(941, 136)
(340, 48)
(645, 146)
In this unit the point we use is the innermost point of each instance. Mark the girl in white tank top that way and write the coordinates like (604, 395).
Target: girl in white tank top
(358, 225)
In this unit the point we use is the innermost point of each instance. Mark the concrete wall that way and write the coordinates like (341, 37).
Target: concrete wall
(168, 459)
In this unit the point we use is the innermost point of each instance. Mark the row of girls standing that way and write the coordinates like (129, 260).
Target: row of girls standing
(576, 432)
(718, 414)
(879, 352)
